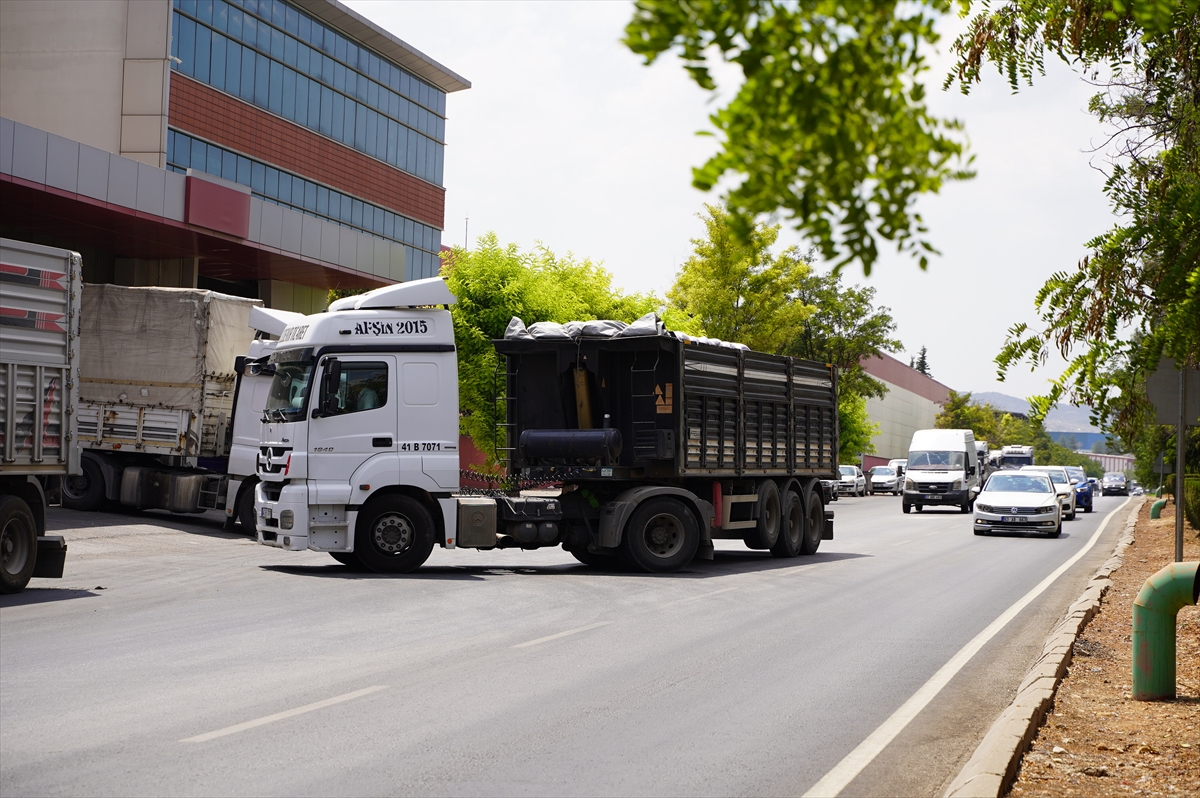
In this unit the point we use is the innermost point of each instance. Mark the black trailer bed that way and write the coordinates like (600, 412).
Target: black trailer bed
(681, 408)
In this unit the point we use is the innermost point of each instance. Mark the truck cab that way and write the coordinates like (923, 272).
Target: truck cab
(362, 416)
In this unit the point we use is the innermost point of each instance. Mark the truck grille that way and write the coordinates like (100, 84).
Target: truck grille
(273, 459)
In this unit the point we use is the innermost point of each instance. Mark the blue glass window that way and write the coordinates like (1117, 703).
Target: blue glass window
(233, 68)
(285, 187)
(187, 46)
(220, 15)
(258, 176)
(327, 111)
(243, 170)
(229, 165)
(322, 200)
(314, 105)
(275, 91)
(271, 187)
(247, 90)
(302, 99)
(217, 70)
(204, 10)
(235, 23)
(289, 94)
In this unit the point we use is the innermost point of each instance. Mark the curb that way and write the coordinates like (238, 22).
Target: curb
(993, 767)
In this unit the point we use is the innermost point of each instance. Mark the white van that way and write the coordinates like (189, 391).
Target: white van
(943, 468)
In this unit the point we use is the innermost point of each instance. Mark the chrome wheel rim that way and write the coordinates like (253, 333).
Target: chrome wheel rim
(393, 534)
(663, 535)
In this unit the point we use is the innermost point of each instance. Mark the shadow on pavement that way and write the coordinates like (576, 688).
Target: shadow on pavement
(724, 563)
(41, 595)
(210, 524)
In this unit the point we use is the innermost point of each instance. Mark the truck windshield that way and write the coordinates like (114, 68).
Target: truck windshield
(1015, 461)
(289, 389)
(930, 460)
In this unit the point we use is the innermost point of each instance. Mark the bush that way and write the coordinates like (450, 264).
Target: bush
(1169, 483)
(1191, 505)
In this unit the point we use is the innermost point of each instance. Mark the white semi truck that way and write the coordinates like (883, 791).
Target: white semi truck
(39, 361)
(170, 401)
(659, 443)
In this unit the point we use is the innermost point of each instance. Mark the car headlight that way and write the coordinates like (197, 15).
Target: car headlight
(1049, 509)
(985, 508)
(908, 485)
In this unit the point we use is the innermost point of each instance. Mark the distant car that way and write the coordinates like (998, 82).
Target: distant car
(1084, 492)
(829, 490)
(1137, 491)
(885, 480)
(1063, 486)
(1019, 501)
(899, 465)
(852, 481)
(1114, 483)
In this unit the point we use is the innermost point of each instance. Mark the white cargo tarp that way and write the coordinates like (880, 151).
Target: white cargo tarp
(648, 325)
(155, 347)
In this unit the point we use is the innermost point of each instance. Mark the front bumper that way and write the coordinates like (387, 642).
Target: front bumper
(1039, 522)
(955, 497)
(881, 487)
(277, 528)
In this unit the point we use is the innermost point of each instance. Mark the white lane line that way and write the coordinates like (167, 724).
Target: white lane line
(548, 638)
(901, 543)
(833, 782)
(291, 713)
(702, 595)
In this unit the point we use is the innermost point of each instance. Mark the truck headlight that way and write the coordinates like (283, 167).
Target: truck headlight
(956, 485)
(286, 518)
(908, 484)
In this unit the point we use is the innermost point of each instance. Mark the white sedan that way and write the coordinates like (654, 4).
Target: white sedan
(1018, 501)
(1064, 487)
(851, 481)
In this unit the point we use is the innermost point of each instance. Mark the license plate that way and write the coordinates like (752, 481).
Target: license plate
(931, 496)
(1014, 519)
(265, 512)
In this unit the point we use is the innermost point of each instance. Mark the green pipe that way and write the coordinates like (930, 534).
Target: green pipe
(1154, 610)
(1157, 508)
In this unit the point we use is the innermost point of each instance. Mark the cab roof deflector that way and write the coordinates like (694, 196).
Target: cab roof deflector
(412, 294)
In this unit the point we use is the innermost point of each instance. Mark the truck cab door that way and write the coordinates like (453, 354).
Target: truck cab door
(352, 422)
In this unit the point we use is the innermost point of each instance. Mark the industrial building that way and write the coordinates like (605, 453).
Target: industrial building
(263, 148)
(912, 402)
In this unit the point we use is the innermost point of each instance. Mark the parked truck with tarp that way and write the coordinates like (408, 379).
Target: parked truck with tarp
(656, 443)
(170, 399)
(39, 357)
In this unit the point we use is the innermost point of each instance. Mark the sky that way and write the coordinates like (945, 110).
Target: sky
(566, 138)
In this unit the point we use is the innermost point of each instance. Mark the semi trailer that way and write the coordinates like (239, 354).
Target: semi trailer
(656, 443)
(170, 399)
(39, 362)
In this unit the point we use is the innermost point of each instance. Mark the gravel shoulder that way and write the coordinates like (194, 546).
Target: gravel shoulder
(1099, 741)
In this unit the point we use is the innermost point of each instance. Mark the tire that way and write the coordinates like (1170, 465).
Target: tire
(1057, 530)
(593, 560)
(907, 508)
(393, 535)
(920, 508)
(791, 528)
(18, 544)
(85, 491)
(965, 507)
(1071, 517)
(348, 559)
(814, 522)
(1088, 509)
(662, 536)
(770, 514)
(245, 508)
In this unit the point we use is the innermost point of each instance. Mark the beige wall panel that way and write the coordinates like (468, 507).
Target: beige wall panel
(141, 134)
(61, 67)
(149, 26)
(899, 414)
(143, 93)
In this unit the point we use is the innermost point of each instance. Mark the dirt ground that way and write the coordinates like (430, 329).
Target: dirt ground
(1099, 741)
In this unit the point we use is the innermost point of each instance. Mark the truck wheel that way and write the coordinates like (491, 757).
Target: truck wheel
(18, 544)
(662, 536)
(245, 508)
(906, 507)
(394, 535)
(814, 522)
(84, 491)
(766, 532)
(791, 532)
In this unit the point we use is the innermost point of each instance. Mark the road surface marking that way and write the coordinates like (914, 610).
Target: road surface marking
(836, 780)
(901, 543)
(548, 638)
(291, 713)
(697, 598)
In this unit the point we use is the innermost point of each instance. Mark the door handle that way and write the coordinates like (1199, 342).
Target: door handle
(381, 443)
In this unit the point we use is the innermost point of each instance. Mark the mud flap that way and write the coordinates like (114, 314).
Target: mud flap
(51, 556)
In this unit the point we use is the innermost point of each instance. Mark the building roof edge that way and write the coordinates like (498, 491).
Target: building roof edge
(404, 54)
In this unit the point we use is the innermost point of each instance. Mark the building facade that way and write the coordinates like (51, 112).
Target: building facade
(269, 148)
(912, 402)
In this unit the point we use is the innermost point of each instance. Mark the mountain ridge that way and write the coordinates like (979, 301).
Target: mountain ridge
(1062, 418)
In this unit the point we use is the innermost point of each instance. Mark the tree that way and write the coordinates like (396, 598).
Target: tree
(845, 329)
(830, 122)
(736, 290)
(855, 427)
(960, 412)
(921, 363)
(494, 283)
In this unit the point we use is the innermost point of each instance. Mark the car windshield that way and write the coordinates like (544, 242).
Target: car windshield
(847, 471)
(1077, 474)
(289, 390)
(1015, 460)
(932, 460)
(883, 471)
(1057, 477)
(1018, 483)
(1114, 477)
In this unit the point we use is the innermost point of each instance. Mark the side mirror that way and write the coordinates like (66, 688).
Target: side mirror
(330, 382)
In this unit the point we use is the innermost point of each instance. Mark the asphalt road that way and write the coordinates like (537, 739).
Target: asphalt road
(514, 673)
